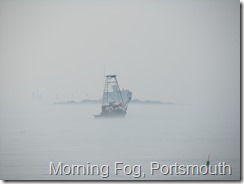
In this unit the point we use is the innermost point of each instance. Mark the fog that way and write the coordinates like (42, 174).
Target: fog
(186, 52)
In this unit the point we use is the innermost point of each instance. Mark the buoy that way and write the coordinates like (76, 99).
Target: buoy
(208, 161)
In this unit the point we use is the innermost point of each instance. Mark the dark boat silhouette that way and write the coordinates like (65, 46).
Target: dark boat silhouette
(114, 103)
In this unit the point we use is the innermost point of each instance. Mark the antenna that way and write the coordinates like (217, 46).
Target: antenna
(104, 73)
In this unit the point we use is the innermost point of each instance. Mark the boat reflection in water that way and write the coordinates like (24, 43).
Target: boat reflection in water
(115, 101)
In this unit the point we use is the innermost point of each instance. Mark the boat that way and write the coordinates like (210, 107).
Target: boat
(114, 101)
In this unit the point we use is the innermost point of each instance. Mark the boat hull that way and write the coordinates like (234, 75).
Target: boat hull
(110, 115)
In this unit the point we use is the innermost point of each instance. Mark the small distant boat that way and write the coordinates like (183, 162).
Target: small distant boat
(114, 102)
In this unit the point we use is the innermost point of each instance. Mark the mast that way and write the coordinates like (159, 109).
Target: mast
(119, 92)
(112, 91)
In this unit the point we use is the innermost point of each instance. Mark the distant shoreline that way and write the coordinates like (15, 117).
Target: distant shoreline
(133, 101)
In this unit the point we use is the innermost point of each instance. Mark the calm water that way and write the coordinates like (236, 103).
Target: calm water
(34, 136)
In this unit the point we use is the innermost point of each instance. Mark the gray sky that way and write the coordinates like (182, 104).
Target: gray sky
(170, 50)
